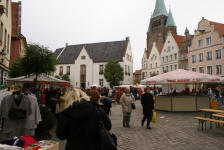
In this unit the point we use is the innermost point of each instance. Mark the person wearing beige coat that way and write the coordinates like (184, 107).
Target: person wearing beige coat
(126, 102)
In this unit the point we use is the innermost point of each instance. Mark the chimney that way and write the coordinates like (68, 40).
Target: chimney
(66, 44)
(127, 39)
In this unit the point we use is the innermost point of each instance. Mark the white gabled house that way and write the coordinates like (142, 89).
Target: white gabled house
(170, 52)
(85, 63)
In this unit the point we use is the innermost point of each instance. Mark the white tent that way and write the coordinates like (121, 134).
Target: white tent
(182, 76)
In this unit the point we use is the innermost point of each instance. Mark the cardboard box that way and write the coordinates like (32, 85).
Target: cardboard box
(51, 145)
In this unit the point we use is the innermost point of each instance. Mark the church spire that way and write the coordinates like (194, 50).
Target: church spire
(170, 21)
(160, 9)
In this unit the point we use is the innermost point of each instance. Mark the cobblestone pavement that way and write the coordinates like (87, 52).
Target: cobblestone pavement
(172, 131)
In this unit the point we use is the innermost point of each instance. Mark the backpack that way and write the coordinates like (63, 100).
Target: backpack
(107, 141)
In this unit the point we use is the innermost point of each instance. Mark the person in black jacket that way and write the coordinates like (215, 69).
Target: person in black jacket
(78, 124)
(148, 105)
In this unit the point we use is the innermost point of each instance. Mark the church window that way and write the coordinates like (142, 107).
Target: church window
(156, 23)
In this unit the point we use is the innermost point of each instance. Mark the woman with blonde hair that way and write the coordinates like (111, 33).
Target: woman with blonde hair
(78, 121)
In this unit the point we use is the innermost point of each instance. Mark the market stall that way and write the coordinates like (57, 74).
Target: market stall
(41, 80)
(186, 101)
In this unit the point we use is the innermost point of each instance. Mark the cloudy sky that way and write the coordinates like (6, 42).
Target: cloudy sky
(52, 23)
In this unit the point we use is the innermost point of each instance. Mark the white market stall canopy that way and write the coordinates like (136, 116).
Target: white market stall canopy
(40, 78)
(182, 76)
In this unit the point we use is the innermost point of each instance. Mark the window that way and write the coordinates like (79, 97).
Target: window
(194, 69)
(83, 57)
(209, 55)
(182, 66)
(168, 49)
(101, 82)
(218, 54)
(201, 69)
(208, 41)
(175, 66)
(218, 69)
(171, 68)
(157, 72)
(186, 66)
(193, 59)
(68, 70)
(151, 66)
(101, 69)
(200, 43)
(163, 59)
(175, 56)
(167, 69)
(201, 57)
(1, 33)
(209, 69)
(61, 70)
(126, 69)
(156, 65)
(166, 58)
(8, 44)
(171, 57)
(5, 38)
(163, 69)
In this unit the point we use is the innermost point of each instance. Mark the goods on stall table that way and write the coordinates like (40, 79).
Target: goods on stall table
(44, 145)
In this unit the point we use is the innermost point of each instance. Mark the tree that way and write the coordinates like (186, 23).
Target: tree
(58, 77)
(113, 72)
(153, 74)
(65, 77)
(16, 70)
(38, 59)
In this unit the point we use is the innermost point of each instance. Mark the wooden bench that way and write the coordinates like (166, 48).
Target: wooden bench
(203, 120)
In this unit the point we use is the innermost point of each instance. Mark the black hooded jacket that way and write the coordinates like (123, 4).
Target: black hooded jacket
(79, 125)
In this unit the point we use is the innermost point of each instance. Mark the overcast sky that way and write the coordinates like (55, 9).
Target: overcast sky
(52, 23)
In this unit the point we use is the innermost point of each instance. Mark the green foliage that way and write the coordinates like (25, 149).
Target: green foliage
(16, 70)
(38, 59)
(58, 77)
(65, 77)
(153, 74)
(113, 72)
(47, 123)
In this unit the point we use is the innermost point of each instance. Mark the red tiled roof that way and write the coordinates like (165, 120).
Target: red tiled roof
(160, 48)
(147, 54)
(219, 27)
(137, 72)
(178, 39)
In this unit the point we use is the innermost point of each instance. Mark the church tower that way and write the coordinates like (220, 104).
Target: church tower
(160, 23)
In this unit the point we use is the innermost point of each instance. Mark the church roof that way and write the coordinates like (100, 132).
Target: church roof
(170, 21)
(160, 9)
(98, 52)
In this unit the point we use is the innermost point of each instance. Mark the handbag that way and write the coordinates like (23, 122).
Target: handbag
(133, 106)
(153, 117)
(107, 141)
